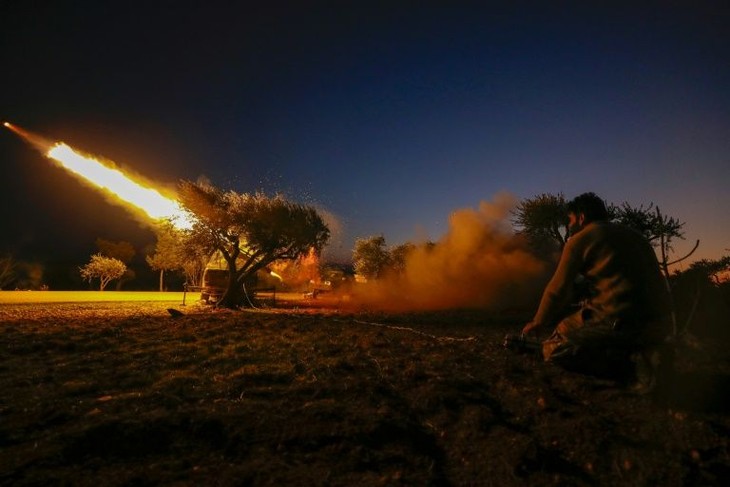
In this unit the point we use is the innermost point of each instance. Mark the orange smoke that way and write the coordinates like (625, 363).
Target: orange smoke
(301, 274)
(479, 263)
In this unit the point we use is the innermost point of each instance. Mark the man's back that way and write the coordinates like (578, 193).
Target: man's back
(622, 268)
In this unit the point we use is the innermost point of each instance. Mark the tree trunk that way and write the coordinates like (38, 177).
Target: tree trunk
(232, 296)
(162, 280)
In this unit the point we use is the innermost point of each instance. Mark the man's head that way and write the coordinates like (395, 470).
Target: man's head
(584, 209)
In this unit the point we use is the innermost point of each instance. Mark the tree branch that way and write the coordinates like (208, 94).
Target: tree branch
(697, 244)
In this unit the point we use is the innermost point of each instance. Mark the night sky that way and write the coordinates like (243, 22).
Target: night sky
(389, 116)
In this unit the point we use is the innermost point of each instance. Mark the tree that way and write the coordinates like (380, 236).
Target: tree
(398, 256)
(371, 257)
(659, 229)
(7, 271)
(167, 255)
(193, 258)
(543, 219)
(104, 268)
(250, 231)
(29, 275)
(175, 250)
(714, 270)
(121, 250)
(702, 297)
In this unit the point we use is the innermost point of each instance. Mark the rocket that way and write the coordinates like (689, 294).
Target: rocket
(40, 143)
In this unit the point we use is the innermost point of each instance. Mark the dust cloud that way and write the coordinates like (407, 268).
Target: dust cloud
(480, 263)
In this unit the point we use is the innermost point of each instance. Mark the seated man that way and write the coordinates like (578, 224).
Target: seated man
(628, 311)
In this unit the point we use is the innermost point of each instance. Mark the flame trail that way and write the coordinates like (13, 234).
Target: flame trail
(149, 200)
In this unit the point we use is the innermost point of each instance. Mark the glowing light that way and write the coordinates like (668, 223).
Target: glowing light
(274, 274)
(154, 204)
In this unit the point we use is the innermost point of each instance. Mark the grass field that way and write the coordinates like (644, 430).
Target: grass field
(20, 297)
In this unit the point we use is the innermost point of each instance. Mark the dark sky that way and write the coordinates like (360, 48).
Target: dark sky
(388, 115)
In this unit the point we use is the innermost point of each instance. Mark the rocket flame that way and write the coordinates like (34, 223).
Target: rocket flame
(148, 200)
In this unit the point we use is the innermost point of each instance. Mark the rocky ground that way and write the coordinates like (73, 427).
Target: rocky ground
(128, 394)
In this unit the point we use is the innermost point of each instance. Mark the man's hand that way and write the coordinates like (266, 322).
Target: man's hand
(531, 327)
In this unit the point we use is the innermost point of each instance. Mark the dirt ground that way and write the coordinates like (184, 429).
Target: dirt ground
(127, 394)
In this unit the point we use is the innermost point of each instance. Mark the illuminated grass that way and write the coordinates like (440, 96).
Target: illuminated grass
(21, 297)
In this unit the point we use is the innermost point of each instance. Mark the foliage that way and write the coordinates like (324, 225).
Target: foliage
(120, 250)
(371, 257)
(712, 270)
(398, 256)
(164, 257)
(648, 221)
(167, 253)
(659, 229)
(21, 274)
(193, 259)
(249, 230)
(543, 219)
(104, 268)
(175, 250)
(29, 275)
(7, 271)
(702, 297)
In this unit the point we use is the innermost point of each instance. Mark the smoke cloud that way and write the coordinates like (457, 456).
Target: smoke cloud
(479, 263)
(334, 249)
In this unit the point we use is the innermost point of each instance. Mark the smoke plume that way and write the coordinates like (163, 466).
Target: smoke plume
(479, 263)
